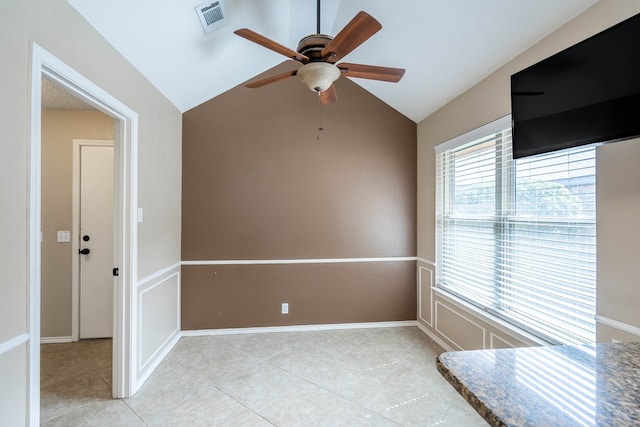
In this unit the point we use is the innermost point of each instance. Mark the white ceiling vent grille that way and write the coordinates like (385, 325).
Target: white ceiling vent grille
(212, 15)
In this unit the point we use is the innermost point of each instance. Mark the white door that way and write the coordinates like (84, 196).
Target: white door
(96, 241)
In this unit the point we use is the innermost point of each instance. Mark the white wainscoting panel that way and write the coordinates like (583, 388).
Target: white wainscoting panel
(461, 331)
(425, 293)
(159, 320)
(13, 381)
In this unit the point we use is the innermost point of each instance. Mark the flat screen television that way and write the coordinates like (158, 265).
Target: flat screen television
(587, 93)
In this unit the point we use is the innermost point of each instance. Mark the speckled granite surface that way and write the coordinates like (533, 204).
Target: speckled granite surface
(595, 385)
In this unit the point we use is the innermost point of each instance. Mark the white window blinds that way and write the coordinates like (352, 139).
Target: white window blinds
(517, 238)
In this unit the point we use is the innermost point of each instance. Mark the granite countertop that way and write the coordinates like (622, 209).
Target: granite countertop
(550, 385)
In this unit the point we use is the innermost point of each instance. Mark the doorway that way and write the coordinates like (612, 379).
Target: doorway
(77, 201)
(45, 65)
(63, 119)
(77, 193)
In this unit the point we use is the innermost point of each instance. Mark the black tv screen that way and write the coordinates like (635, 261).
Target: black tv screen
(587, 93)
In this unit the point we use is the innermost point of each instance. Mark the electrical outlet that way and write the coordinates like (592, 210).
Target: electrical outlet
(285, 308)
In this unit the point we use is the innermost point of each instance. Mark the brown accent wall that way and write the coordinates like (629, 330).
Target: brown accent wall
(259, 185)
(230, 296)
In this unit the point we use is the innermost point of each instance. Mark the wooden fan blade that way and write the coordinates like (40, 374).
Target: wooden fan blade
(270, 44)
(371, 72)
(328, 96)
(359, 29)
(271, 79)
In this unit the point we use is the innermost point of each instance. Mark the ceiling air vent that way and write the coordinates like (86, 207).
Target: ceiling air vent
(212, 15)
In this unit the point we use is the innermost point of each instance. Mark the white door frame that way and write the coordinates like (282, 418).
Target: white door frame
(75, 229)
(44, 64)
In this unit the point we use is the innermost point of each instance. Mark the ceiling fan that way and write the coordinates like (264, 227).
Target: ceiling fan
(319, 53)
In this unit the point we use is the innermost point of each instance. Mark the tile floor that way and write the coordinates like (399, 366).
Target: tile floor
(356, 377)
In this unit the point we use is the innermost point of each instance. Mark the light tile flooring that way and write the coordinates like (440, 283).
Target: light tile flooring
(356, 377)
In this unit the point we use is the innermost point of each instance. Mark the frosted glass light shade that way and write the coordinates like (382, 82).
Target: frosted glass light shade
(318, 76)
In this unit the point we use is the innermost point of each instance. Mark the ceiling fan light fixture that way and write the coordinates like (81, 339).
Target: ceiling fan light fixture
(318, 76)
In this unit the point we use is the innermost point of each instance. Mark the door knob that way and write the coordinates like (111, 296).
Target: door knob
(84, 251)
(86, 237)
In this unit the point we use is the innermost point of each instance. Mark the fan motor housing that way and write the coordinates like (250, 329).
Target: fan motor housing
(311, 46)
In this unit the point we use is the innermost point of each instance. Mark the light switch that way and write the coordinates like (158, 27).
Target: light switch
(64, 236)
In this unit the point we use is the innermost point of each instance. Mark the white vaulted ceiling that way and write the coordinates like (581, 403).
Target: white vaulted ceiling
(446, 46)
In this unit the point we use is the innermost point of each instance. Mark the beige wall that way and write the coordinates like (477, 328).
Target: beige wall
(59, 129)
(258, 185)
(56, 26)
(483, 103)
(618, 190)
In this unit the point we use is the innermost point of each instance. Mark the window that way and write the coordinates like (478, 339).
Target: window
(518, 238)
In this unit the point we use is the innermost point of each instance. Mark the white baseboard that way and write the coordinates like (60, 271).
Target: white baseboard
(434, 337)
(55, 340)
(322, 327)
(298, 328)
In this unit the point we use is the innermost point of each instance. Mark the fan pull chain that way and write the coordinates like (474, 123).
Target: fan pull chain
(320, 127)
(318, 16)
